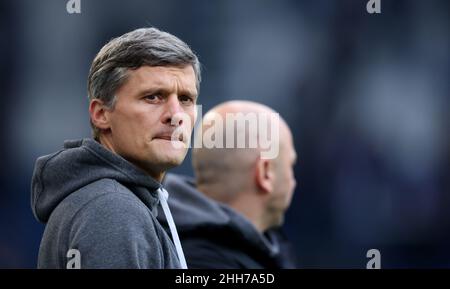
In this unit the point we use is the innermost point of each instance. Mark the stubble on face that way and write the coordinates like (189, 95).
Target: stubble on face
(148, 110)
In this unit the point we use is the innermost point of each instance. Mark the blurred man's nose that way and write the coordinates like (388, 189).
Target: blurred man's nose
(173, 111)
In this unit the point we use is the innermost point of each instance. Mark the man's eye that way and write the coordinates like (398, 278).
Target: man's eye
(153, 97)
(186, 99)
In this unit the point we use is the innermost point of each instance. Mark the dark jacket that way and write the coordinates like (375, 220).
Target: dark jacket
(96, 202)
(215, 236)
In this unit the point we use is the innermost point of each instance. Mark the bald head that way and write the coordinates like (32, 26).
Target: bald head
(247, 130)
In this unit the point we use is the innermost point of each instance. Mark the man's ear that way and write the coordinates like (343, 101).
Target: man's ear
(265, 175)
(99, 114)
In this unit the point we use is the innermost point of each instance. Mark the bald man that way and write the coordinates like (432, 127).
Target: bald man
(227, 217)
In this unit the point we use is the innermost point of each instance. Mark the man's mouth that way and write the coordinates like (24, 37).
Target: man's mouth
(168, 137)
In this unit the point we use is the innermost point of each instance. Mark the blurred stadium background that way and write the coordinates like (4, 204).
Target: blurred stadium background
(366, 95)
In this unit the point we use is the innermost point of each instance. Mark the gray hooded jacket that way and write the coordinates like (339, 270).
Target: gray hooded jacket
(99, 204)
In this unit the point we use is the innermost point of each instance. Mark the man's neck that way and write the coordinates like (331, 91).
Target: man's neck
(252, 210)
(158, 176)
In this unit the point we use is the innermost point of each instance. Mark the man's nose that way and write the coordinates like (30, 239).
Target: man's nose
(173, 112)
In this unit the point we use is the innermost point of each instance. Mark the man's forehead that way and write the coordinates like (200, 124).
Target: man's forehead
(159, 72)
(162, 76)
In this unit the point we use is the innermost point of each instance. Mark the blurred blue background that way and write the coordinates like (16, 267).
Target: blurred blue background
(367, 97)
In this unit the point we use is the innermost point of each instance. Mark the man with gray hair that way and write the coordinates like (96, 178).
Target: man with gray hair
(99, 197)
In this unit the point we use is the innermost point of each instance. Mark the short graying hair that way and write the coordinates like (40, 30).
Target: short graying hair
(144, 46)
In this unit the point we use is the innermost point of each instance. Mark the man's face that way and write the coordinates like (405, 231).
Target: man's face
(285, 182)
(153, 103)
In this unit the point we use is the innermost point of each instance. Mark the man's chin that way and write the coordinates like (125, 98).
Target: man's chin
(170, 164)
(172, 160)
(279, 221)
(165, 156)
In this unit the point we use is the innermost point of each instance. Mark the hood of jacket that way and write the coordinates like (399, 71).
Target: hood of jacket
(195, 212)
(78, 164)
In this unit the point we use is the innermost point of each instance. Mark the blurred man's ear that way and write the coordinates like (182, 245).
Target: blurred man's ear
(99, 114)
(265, 175)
